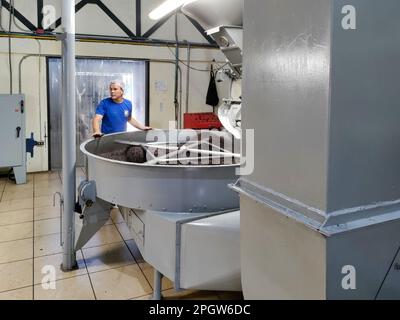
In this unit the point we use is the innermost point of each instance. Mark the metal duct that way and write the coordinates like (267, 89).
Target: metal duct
(211, 13)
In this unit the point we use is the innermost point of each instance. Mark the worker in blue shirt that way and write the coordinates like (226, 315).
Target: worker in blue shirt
(114, 113)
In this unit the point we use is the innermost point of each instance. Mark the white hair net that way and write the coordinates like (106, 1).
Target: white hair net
(118, 83)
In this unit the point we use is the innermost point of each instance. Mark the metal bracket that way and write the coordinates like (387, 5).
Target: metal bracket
(61, 203)
(87, 193)
(61, 36)
(31, 144)
(94, 213)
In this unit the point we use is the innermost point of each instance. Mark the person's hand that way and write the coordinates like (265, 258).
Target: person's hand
(147, 128)
(97, 134)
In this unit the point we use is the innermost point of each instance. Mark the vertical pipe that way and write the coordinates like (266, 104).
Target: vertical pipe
(176, 103)
(157, 285)
(180, 94)
(138, 18)
(9, 50)
(40, 14)
(68, 132)
(187, 77)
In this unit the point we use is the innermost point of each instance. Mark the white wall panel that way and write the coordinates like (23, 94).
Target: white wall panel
(161, 103)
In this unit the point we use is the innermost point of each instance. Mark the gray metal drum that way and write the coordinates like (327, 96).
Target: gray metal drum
(170, 188)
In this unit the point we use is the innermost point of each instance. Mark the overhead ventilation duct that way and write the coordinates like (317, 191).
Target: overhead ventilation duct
(211, 13)
(223, 21)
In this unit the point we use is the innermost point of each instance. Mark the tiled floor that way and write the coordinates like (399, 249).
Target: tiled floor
(110, 265)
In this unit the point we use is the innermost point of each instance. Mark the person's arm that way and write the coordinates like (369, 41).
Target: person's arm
(98, 116)
(96, 125)
(138, 125)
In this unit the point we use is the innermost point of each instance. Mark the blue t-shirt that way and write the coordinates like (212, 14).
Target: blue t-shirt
(115, 115)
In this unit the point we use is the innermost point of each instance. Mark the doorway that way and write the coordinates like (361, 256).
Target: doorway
(93, 76)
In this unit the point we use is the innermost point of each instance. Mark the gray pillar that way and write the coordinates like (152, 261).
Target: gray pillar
(321, 91)
(68, 132)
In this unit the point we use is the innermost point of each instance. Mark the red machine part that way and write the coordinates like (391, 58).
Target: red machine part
(204, 120)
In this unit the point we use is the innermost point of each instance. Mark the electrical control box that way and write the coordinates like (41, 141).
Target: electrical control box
(12, 135)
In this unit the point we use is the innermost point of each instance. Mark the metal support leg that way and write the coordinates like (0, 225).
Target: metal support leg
(157, 285)
(68, 134)
(20, 174)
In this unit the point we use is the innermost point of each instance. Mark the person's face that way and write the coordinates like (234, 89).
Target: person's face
(116, 92)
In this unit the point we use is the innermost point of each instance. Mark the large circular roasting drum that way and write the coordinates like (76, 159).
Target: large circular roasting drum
(174, 171)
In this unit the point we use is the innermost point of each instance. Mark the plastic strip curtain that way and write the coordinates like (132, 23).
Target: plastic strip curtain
(93, 77)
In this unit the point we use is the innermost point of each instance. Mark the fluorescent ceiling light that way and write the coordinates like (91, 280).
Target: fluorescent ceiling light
(167, 7)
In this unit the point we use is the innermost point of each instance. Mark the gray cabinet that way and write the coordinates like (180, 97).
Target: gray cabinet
(12, 135)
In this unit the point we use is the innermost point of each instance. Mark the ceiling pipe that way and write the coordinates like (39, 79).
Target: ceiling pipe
(108, 39)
